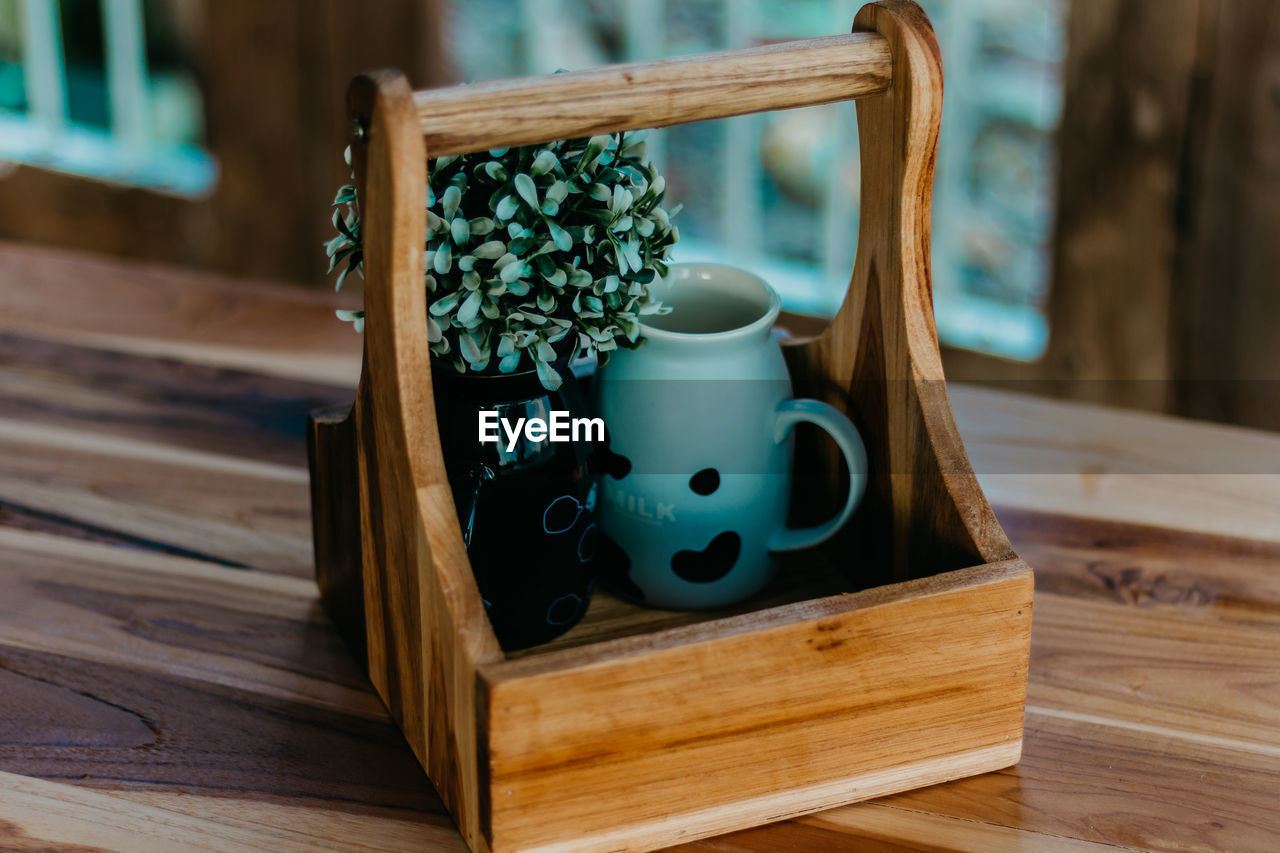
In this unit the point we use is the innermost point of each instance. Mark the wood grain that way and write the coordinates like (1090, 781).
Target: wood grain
(1086, 460)
(1226, 297)
(1110, 718)
(143, 399)
(150, 309)
(150, 612)
(177, 703)
(36, 816)
(245, 512)
(1151, 790)
(571, 779)
(653, 94)
(335, 522)
(847, 698)
(878, 360)
(425, 626)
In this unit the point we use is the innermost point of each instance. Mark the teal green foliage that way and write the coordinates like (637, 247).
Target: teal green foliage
(526, 247)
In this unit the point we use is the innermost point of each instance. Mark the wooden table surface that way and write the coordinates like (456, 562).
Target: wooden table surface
(168, 680)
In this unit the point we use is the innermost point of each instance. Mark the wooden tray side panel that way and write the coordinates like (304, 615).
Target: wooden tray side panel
(879, 358)
(424, 621)
(646, 749)
(335, 522)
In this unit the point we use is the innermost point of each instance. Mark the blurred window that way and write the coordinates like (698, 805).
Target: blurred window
(778, 192)
(104, 88)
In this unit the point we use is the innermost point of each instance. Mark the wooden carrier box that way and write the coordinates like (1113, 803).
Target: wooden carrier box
(641, 728)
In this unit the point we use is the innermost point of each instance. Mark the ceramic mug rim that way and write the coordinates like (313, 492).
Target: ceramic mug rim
(762, 323)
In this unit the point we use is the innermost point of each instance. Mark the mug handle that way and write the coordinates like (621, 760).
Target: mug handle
(837, 425)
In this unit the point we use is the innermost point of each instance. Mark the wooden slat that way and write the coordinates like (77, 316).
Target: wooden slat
(154, 400)
(150, 309)
(39, 815)
(1090, 461)
(1203, 578)
(347, 826)
(875, 826)
(653, 94)
(224, 508)
(1092, 781)
(837, 705)
(71, 719)
(165, 615)
(1157, 670)
(425, 624)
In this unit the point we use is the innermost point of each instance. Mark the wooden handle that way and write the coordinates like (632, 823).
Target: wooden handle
(653, 94)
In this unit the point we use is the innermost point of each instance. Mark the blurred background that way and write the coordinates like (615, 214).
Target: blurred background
(1106, 212)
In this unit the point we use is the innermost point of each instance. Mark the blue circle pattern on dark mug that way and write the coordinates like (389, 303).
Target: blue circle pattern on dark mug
(525, 509)
(561, 517)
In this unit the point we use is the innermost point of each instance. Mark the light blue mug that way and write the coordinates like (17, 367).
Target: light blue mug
(696, 479)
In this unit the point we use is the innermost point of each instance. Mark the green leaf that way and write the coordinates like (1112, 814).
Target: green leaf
(547, 374)
(590, 154)
(490, 250)
(558, 191)
(621, 200)
(445, 303)
(472, 350)
(559, 236)
(526, 190)
(511, 272)
(470, 308)
(506, 208)
(543, 163)
(450, 200)
(521, 244)
(355, 318)
(482, 225)
(632, 251)
(443, 260)
(460, 231)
